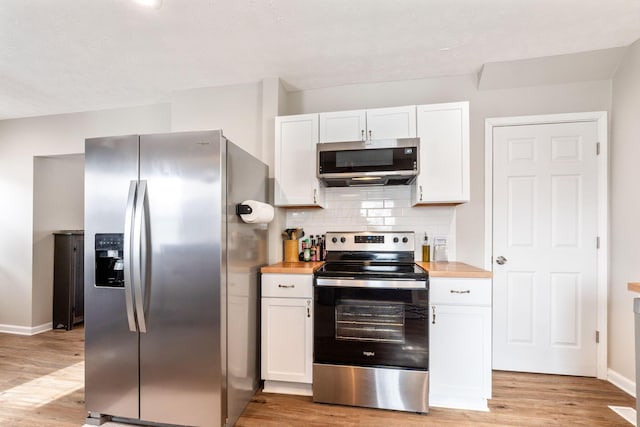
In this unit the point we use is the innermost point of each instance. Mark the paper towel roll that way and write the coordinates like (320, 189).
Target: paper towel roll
(260, 212)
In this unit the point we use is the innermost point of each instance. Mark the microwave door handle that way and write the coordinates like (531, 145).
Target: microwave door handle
(128, 230)
(139, 251)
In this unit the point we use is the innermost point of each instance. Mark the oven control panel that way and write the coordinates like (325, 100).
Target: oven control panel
(371, 241)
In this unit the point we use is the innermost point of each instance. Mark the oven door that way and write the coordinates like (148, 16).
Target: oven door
(371, 327)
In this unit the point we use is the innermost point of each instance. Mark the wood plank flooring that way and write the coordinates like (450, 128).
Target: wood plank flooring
(41, 385)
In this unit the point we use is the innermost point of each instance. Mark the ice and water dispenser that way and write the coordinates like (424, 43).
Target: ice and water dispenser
(109, 260)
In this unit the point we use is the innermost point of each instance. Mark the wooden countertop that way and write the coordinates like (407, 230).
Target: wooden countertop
(633, 286)
(454, 269)
(435, 269)
(292, 267)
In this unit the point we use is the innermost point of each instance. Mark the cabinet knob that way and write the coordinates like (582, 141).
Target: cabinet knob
(370, 134)
(362, 134)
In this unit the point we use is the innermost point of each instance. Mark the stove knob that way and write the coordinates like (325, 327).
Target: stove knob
(342, 240)
(405, 240)
(334, 240)
(395, 240)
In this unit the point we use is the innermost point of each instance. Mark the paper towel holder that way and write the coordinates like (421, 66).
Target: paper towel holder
(243, 209)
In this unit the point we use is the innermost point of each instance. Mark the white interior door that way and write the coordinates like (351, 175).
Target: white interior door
(545, 248)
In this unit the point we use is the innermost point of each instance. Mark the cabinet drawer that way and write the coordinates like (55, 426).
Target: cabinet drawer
(287, 285)
(460, 291)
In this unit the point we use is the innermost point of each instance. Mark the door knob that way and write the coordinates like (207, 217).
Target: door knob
(501, 260)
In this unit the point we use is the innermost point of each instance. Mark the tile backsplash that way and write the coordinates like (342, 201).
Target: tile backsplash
(377, 209)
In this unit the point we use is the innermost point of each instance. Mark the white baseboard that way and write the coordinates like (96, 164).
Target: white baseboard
(467, 403)
(284, 387)
(622, 382)
(26, 330)
(625, 412)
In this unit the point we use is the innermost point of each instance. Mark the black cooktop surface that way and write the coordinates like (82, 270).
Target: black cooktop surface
(371, 270)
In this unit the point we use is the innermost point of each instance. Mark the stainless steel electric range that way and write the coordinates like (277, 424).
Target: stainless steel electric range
(371, 329)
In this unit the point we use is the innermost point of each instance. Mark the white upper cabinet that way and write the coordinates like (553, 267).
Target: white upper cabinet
(342, 126)
(360, 125)
(387, 123)
(443, 130)
(296, 183)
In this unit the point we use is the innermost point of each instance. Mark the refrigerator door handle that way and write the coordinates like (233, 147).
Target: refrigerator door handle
(140, 254)
(128, 230)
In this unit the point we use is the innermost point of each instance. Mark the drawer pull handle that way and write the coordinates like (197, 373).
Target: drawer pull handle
(460, 292)
(286, 286)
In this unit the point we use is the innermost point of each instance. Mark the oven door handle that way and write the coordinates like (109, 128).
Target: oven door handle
(349, 282)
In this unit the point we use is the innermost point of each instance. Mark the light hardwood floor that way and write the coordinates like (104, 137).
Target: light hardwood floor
(41, 385)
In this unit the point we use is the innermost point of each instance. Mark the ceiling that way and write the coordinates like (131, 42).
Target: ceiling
(61, 56)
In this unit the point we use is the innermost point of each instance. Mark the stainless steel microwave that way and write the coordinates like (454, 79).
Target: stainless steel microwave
(373, 162)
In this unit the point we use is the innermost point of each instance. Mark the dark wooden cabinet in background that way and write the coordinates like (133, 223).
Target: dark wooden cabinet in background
(68, 279)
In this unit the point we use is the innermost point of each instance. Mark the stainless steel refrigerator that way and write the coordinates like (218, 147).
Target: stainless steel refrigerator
(171, 278)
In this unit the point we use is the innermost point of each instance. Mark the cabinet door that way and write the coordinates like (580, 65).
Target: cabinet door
(396, 122)
(460, 352)
(340, 126)
(296, 183)
(287, 339)
(443, 130)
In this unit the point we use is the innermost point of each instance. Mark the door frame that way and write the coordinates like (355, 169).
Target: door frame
(600, 118)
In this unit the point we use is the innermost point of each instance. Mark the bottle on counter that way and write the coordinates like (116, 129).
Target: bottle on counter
(322, 249)
(426, 249)
(306, 250)
(313, 249)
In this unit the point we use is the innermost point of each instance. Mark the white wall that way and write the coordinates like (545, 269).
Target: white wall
(20, 141)
(237, 110)
(586, 96)
(58, 204)
(625, 209)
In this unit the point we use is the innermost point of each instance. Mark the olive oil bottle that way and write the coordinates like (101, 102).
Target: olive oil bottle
(426, 249)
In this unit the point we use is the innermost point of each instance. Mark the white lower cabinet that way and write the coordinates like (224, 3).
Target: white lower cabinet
(460, 343)
(287, 333)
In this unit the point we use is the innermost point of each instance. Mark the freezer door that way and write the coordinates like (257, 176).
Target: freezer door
(180, 353)
(111, 349)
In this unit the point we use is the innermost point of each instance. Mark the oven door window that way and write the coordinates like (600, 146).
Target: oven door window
(371, 327)
(369, 321)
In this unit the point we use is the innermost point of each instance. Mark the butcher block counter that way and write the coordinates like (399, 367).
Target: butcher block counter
(454, 269)
(435, 269)
(292, 267)
(633, 286)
